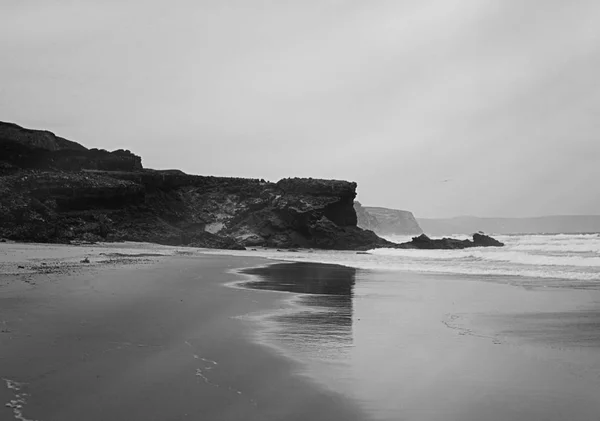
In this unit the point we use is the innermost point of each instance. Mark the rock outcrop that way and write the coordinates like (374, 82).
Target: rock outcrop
(55, 190)
(302, 213)
(35, 149)
(424, 242)
(384, 221)
(37, 139)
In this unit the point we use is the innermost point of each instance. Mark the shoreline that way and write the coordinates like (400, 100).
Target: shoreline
(476, 350)
(186, 332)
(364, 261)
(161, 341)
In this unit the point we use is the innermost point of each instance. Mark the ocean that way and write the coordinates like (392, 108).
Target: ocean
(562, 260)
(475, 334)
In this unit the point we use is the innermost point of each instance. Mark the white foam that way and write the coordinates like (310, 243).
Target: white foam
(19, 402)
(511, 255)
(575, 259)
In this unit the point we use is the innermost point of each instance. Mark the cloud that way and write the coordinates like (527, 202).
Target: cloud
(500, 97)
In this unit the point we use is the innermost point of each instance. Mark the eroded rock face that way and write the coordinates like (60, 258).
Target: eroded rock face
(42, 150)
(205, 212)
(304, 213)
(54, 190)
(37, 139)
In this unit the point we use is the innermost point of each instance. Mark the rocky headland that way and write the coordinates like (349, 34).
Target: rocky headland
(384, 221)
(56, 190)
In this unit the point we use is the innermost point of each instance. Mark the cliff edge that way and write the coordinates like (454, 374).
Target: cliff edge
(384, 221)
(56, 190)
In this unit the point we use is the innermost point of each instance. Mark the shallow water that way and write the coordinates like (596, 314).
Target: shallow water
(438, 347)
(321, 322)
(569, 261)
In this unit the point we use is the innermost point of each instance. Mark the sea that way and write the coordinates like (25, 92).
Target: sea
(556, 260)
(498, 333)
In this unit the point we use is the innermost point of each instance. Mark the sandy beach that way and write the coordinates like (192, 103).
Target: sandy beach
(152, 338)
(145, 332)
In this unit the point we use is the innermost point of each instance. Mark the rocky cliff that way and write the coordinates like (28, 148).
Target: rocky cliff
(55, 190)
(364, 219)
(37, 139)
(22, 148)
(384, 221)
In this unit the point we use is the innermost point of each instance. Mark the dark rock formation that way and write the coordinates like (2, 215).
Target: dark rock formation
(303, 213)
(37, 139)
(55, 190)
(424, 242)
(482, 240)
(42, 150)
(386, 221)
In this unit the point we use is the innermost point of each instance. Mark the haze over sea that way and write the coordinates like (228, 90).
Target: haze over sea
(476, 334)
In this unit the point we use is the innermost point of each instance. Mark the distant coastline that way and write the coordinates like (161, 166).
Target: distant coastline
(562, 224)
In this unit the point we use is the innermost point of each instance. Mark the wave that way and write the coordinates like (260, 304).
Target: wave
(515, 257)
(549, 239)
(570, 260)
(374, 262)
(547, 236)
(557, 248)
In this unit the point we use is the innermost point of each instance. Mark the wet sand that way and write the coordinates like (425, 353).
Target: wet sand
(154, 340)
(440, 348)
(145, 332)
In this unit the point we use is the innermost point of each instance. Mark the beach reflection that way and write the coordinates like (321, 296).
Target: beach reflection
(437, 348)
(322, 323)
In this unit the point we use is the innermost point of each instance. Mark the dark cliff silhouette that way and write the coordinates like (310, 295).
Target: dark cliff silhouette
(56, 190)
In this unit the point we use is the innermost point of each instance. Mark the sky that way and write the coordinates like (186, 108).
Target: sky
(441, 107)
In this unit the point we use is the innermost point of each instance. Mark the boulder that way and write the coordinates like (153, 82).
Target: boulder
(482, 240)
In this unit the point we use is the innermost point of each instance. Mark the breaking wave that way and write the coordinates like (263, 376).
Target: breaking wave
(562, 256)
(548, 260)
(515, 257)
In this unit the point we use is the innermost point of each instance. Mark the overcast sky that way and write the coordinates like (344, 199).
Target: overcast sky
(442, 107)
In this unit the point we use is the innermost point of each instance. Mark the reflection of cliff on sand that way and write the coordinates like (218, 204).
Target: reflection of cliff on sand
(329, 290)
